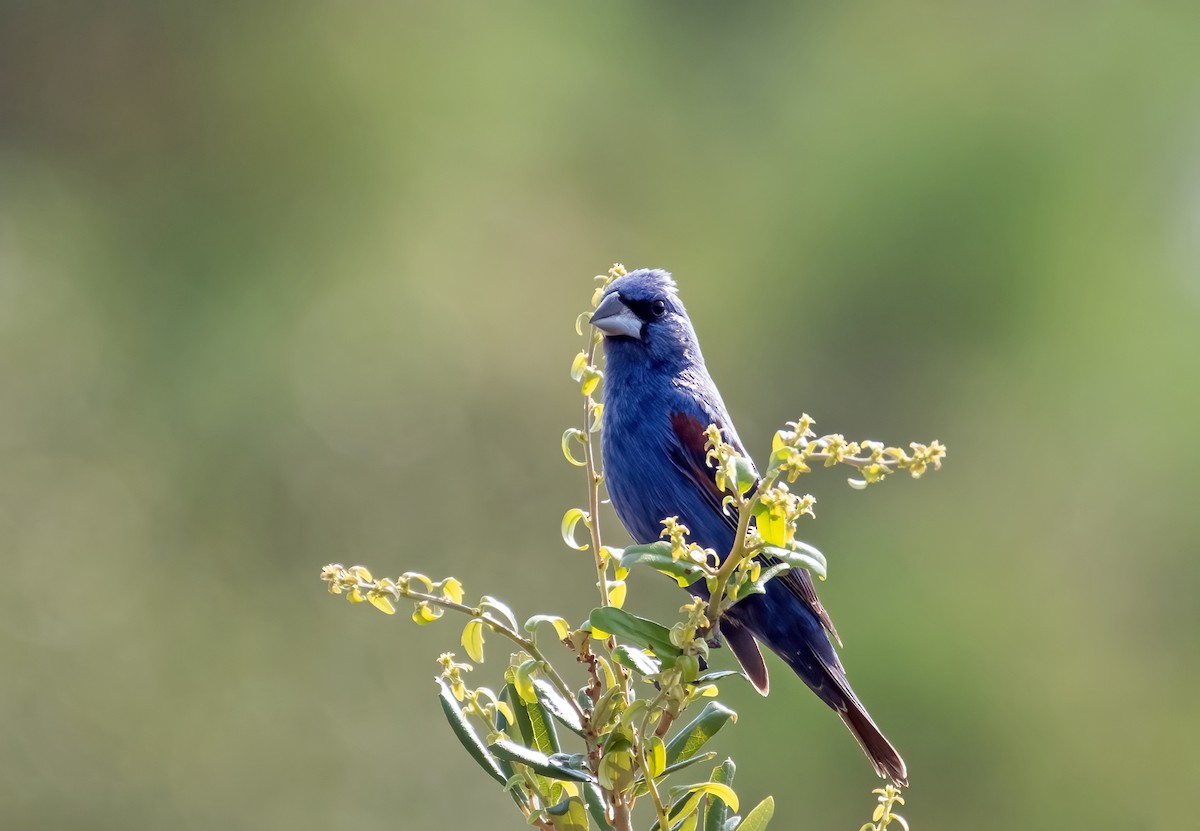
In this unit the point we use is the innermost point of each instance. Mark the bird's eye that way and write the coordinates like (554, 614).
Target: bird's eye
(658, 308)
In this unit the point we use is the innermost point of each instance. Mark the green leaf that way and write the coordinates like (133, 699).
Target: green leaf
(497, 611)
(572, 434)
(636, 660)
(558, 766)
(570, 519)
(472, 639)
(466, 734)
(638, 630)
(616, 592)
(656, 757)
(757, 819)
(759, 586)
(719, 790)
(718, 812)
(681, 811)
(687, 763)
(545, 737)
(717, 674)
(557, 705)
(797, 555)
(616, 769)
(688, 741)
(533, 721)
(605, 708)
(657, 555)
(561, 627)
(678, 766)
(593, 799)
(579, 365)
(774, 531)
(747, 476)
(523, 680)
(569, 815)
(502, 726)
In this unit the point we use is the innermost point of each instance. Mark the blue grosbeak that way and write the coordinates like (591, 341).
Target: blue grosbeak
(658, 400)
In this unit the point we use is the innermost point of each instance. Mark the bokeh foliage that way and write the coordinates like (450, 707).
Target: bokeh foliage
(282, 285)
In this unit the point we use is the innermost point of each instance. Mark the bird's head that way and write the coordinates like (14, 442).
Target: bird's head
(643, 319)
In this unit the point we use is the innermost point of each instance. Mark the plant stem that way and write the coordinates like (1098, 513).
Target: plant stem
(499, 628)
(664, 819)
(736, 555)
(622, 820)
(589, 455)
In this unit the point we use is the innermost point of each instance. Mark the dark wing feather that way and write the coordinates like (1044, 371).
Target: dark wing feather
(691, 461)
(800, 583)
(745, 648)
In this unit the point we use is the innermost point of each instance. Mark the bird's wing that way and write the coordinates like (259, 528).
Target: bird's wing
(691, 460)
(800, 583)
(745, 648)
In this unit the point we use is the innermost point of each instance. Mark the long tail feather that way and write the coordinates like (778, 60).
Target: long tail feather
(879, 750)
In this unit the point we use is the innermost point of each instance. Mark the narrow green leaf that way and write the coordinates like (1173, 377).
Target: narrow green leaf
(503, 725)
(605, 708)
(557, 705)
(558, 766)
(466, 734)
(533, 721)
(593, 799)
(636, 660)
(717, 789)
(656, 757)
(687, 763)
(524, 731)
(642, 790)
(657, 555)
(757, 819)
(797, 555)
(682, 807)
(759, 586)
(717, 813)
(717, 675)
(545, 737)
(638, 630)
(692, 736)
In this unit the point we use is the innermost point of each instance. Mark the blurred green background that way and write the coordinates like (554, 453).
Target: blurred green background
(284, 284)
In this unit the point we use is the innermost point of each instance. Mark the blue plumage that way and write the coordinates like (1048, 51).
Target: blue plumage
(658, 400)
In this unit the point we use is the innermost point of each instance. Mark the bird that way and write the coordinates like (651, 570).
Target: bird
(658, 401)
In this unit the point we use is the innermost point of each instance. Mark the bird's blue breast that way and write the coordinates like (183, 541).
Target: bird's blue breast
(642, 454)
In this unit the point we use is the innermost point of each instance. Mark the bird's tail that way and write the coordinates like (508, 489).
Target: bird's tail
(879, 750)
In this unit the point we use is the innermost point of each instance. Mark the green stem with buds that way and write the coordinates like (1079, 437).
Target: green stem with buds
(527, 644)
